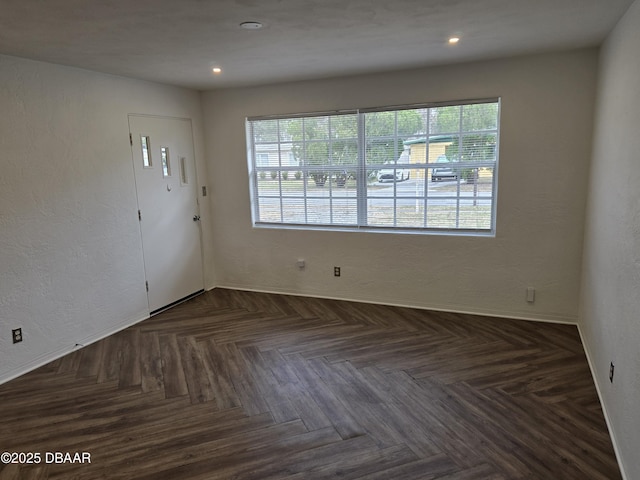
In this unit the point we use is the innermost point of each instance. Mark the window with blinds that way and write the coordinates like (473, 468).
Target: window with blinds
(426, 168)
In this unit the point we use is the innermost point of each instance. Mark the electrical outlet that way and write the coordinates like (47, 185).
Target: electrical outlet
(531, 294)
(611, 370)
(336, 271)
(17, 335)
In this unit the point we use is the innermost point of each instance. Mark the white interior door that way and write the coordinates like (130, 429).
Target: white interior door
(164, 165)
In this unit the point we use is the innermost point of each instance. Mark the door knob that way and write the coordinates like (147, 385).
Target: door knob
(196, 218)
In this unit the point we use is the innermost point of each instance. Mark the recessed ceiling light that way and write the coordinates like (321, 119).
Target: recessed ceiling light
(454, 40)
(251, 25)
(217, 70)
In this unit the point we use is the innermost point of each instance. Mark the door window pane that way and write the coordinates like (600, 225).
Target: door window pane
(166, 163)
(146, 152)
(183, 171)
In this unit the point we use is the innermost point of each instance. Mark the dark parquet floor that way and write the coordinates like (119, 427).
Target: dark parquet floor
(240, 385)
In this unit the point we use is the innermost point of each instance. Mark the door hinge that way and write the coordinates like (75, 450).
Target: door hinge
(131, 140)
(139, 215)
(146, 284)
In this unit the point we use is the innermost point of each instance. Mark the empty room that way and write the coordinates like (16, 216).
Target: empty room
(305, 239)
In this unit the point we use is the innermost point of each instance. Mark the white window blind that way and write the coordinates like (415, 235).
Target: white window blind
(416, 168)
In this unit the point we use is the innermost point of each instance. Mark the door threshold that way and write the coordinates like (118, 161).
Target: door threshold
(177, 302)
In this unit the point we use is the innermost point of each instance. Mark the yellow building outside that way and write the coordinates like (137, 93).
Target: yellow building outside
(437, 146)
(418, 151)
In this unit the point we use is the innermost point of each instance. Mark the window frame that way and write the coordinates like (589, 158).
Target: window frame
(362, 168)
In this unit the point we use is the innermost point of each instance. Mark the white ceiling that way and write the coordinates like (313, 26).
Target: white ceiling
(178, 41)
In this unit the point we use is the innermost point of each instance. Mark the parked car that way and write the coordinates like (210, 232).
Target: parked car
(446, 171)
(395, 174)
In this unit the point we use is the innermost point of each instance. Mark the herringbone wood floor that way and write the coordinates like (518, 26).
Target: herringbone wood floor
(239, 385)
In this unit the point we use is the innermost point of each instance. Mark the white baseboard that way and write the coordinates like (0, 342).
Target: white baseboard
(616, 449)
(548, 318)
(54, 355)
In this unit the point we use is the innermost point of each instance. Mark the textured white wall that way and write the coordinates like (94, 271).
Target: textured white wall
(610, 297)
(547, 121)
(70, 251)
